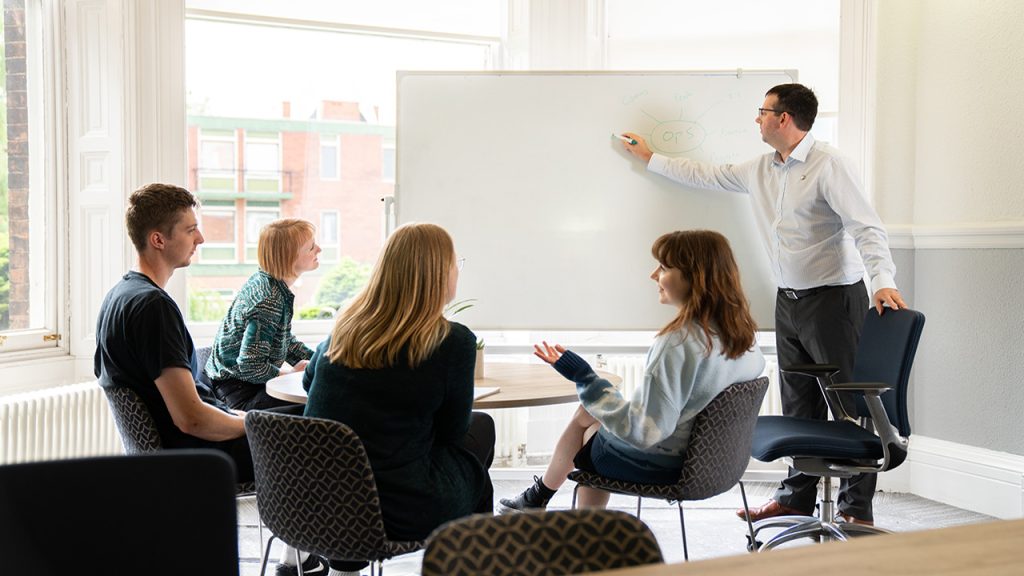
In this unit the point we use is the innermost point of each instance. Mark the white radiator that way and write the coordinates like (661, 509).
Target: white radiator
(527, 436)
(63, 422)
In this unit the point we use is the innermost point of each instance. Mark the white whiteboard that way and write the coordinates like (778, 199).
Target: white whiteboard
(555, 219)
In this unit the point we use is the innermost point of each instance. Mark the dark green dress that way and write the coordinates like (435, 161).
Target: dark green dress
(411, 422)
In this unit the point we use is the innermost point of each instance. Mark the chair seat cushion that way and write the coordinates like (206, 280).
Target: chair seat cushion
(784, 436)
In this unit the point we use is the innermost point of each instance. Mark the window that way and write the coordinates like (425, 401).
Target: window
(285, 119)
(387, 162)
(262, 163)
(256, 217)
(28, 207)
(217, 222)
(329, 240)
(329, 157)
(216, 172)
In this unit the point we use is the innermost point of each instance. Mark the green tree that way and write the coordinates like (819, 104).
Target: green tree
(341, 283)
(207, 306)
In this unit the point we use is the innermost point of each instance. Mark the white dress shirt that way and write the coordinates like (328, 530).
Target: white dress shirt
(816, 225)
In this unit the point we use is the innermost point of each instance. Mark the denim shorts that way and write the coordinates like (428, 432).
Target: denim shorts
(597, 457)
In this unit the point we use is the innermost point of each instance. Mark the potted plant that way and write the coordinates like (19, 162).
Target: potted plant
(450, 311)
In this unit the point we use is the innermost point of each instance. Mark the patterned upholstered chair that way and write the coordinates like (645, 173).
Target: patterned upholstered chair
(138, 430)
(316, 489)
(715, 459)
(550, 543)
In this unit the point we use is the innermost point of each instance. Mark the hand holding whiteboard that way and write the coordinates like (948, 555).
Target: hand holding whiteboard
(574, 196)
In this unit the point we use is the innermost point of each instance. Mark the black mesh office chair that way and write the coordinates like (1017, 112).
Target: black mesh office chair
(840, 448)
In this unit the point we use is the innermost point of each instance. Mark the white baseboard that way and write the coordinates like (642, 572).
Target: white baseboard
(976, 479)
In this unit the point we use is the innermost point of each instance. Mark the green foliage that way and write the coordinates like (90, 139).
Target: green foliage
(314, 312)
(341, 283)
(207, 306)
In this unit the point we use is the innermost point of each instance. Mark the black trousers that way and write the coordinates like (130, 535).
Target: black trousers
(238, 449)
(822, 328)
(246, 396)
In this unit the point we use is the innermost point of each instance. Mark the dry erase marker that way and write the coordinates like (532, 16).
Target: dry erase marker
(625, 139)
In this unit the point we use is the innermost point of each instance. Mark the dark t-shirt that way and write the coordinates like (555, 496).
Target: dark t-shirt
(139, 332)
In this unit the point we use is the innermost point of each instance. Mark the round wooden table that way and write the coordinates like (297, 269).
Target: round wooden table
(519, 385)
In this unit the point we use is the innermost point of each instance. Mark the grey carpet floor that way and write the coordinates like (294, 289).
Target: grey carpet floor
(712, 529)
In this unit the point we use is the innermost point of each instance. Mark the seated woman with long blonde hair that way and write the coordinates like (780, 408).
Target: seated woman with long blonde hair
(705, 348)
(401, 376)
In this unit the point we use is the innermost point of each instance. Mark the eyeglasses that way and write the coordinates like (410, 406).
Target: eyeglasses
(761, 111)
(460, 262)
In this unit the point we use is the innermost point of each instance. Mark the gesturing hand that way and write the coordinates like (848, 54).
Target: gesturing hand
(547, 353)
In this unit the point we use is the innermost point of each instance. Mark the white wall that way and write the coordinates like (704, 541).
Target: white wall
(950, 136)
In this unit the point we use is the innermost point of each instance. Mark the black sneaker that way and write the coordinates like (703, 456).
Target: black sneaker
(313, 566)
(535, 497)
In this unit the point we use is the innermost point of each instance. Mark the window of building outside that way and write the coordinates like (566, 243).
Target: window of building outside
(730, 35)
(329, 237)
(28, 235)
(274, 97)
(387, 163)
(329, 157)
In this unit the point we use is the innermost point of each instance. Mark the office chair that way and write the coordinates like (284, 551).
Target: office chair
(316, 489)
(163, 514)
(550, 543)
(715, 459)
(840, 448)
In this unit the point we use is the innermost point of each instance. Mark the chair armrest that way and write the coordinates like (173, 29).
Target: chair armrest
(823, 373)
(814, 370)
(874, 388)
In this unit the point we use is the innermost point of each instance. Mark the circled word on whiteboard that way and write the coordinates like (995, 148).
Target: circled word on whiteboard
(678, 136)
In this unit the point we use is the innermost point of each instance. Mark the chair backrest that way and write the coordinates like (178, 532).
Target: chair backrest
(134, 422)
(719, 448)
(315, 487)
(202, 355)
(168, 513)
(559, 542)
(885, 353)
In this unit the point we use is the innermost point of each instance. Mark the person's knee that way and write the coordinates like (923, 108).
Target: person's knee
(482, 426)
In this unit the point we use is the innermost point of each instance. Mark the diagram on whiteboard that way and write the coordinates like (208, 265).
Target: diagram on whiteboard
(673, 126)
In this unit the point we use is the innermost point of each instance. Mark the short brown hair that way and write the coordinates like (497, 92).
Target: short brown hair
(798, 101)
(715, 300)
(157, 207)
(279, 245)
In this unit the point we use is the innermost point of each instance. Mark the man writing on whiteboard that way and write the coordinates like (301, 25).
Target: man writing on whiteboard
(820, 234)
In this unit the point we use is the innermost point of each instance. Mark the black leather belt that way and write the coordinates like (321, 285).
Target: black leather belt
(798, 294)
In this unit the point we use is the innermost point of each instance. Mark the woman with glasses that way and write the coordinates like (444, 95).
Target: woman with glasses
(401, 376)
(705, 348)
(255, 338)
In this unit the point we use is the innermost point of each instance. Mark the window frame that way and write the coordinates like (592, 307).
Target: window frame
(214, 210)
(246, 245)
(336, 144)
(336, 244)
(47, 162)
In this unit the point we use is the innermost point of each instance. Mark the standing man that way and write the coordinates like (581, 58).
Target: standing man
(820, 234)
(142, 342)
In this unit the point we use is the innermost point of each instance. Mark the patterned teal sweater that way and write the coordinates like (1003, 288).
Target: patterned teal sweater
(256, 335)
(653, 425)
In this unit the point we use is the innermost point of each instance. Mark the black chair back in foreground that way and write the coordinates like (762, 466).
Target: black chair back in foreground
(163, 514)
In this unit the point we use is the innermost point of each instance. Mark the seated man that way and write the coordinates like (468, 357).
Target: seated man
(142, 342)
